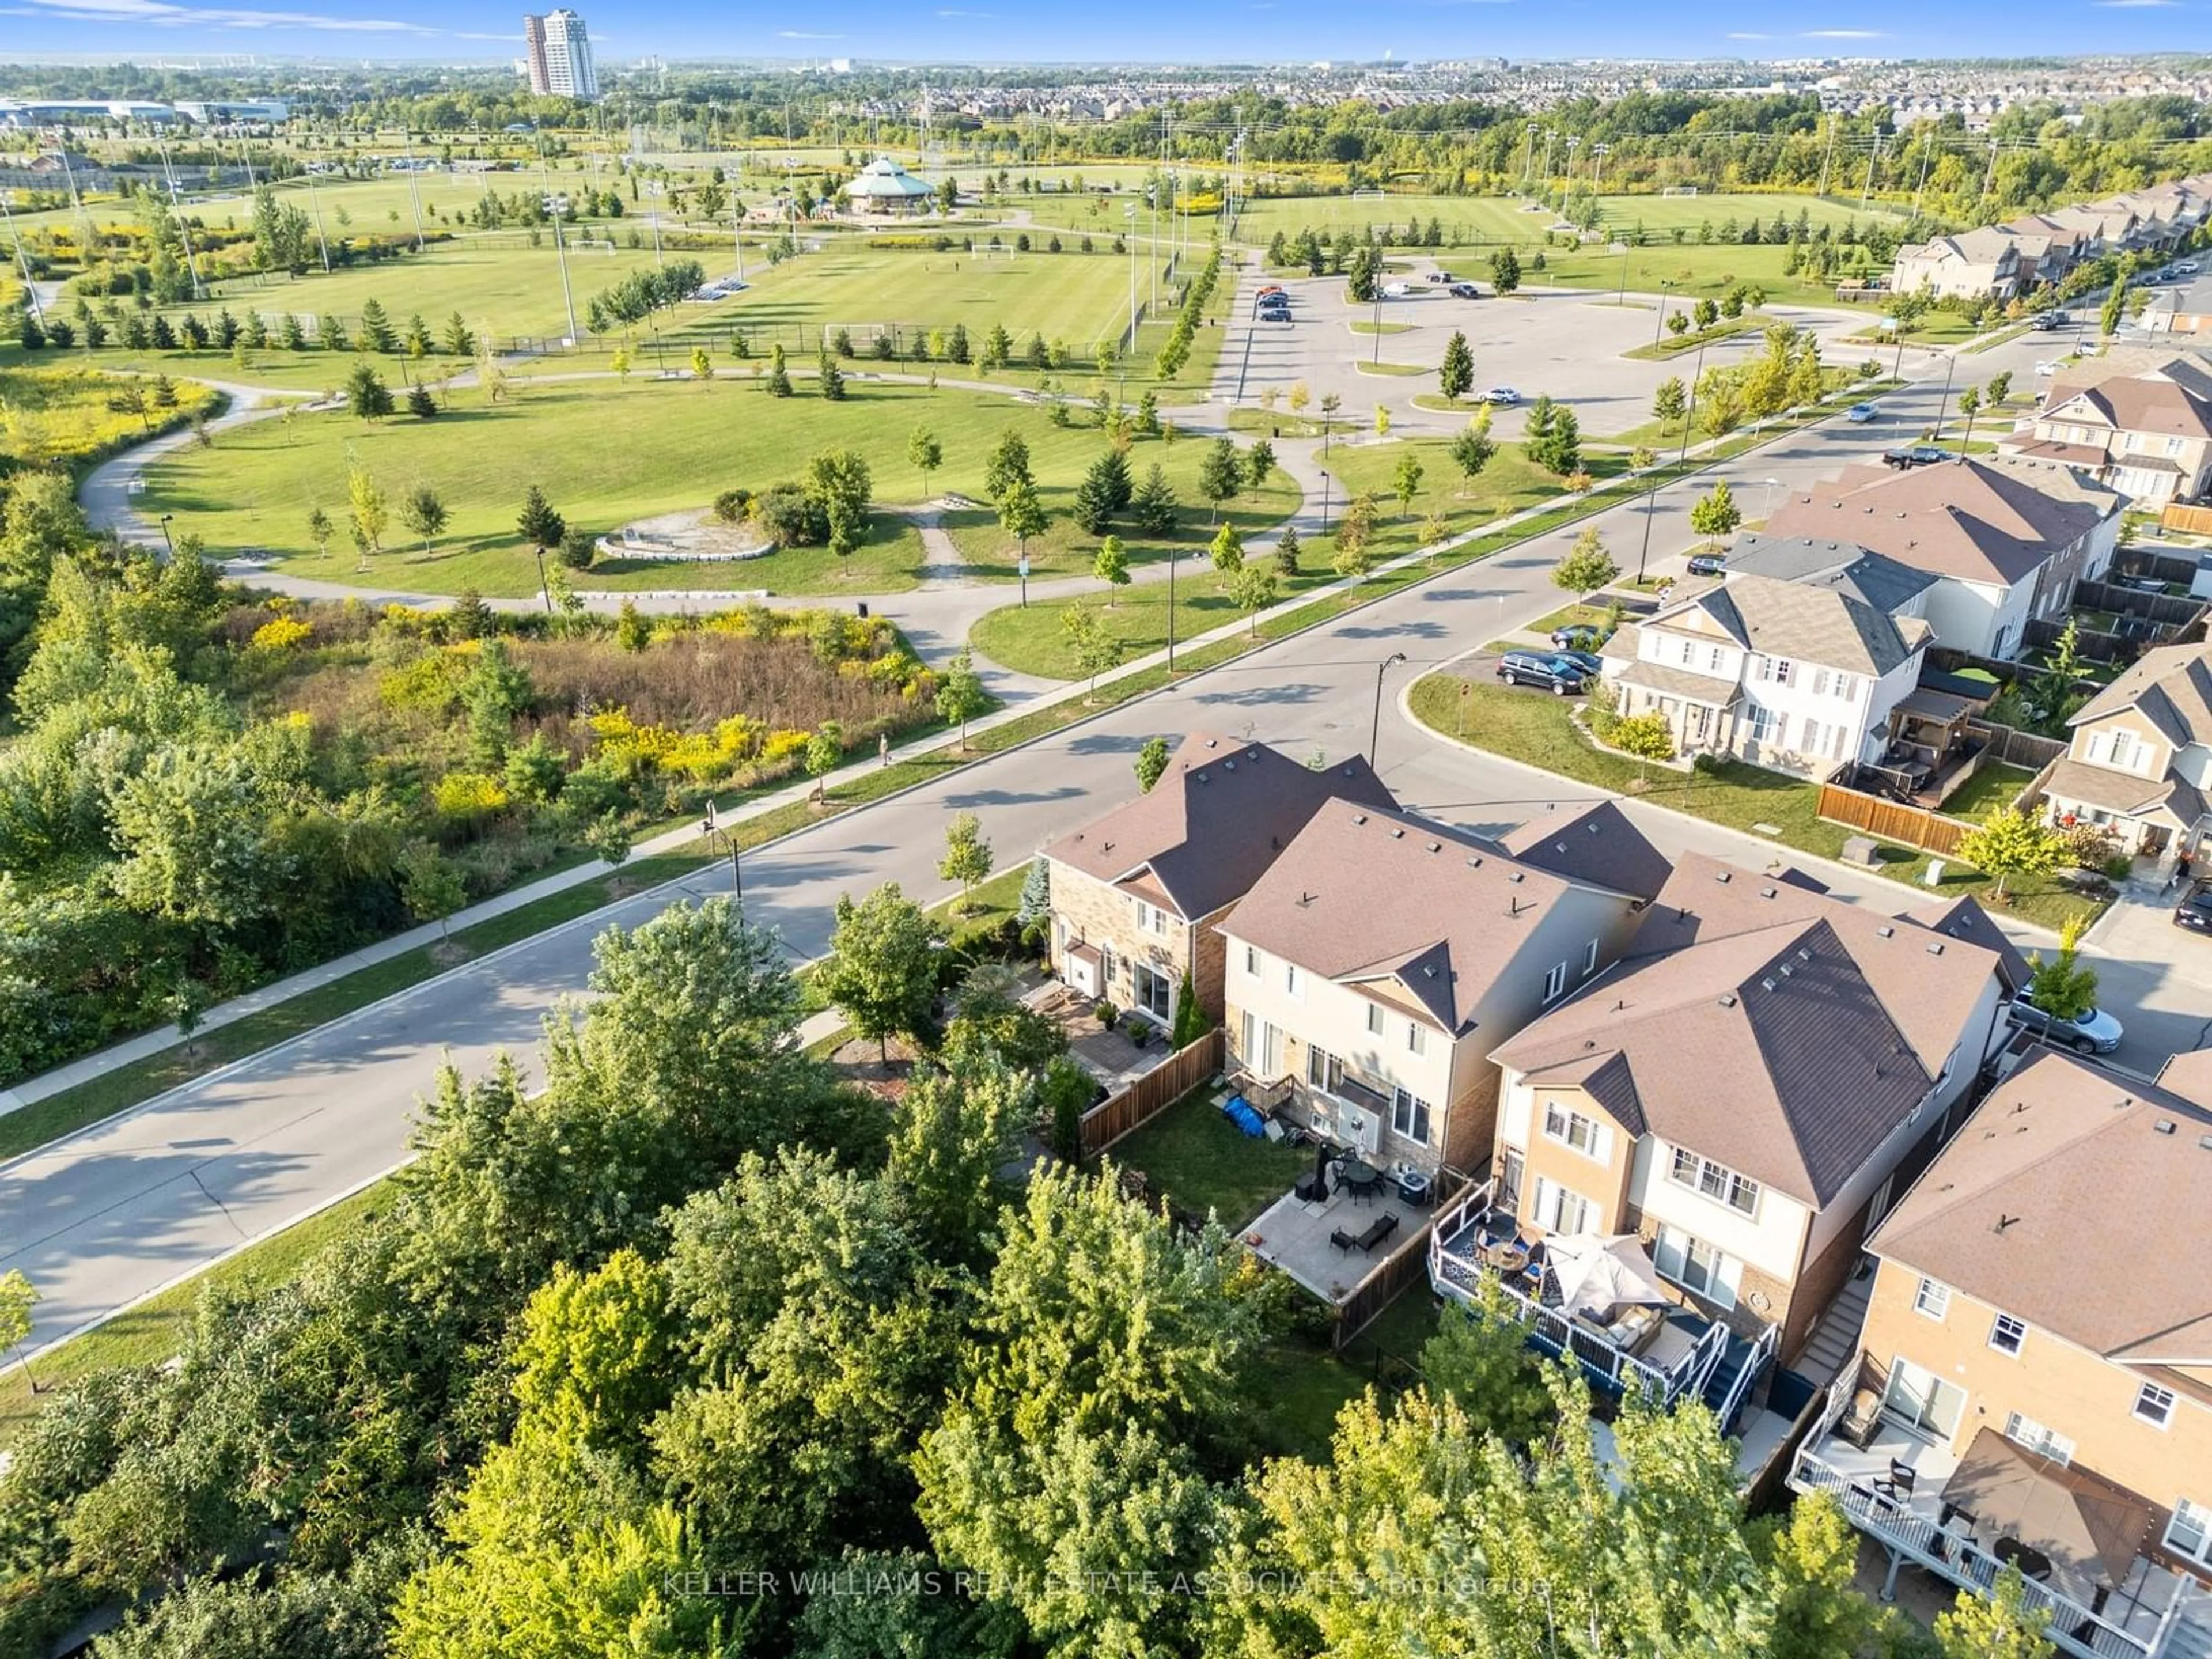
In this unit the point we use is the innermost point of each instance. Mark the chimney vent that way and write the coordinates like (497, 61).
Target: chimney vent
(2164, 1126)
(1727, 1002)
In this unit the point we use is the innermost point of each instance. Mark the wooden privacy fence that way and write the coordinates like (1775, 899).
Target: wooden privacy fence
(2014, 747)
(1892, 820)
(2195, 520)
(1396, 1273)
(1115, 1116)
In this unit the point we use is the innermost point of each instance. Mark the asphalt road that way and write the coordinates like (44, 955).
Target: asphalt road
(103, 1218)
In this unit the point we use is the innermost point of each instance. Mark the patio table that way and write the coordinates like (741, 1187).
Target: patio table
(2031, 1562)
(1359, 1178)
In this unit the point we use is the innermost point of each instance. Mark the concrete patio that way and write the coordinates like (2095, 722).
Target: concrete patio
(1294, 1236)
(1108, 1056)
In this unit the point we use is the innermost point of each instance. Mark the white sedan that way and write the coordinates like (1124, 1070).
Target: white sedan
(1501, 394)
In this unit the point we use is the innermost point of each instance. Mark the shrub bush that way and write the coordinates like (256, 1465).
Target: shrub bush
(733, 505)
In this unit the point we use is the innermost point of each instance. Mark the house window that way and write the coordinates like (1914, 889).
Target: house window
(1252, 960)
(2043, 1442)
(1820, 681)
(1291, 984)
(1810, 742)
(1715, 1180)
(2189, 1532)
(1107, 964)
(1562, 1210)
(2154, 1405)
(1511, 1167)
(1150, 918)
(1932, 1298)
(1922, 1399)
(2122, 750)
(1555, 981)
(1409, 1117)
(1589, 959)
(1324, 1070)
(1846, 687)
(1417, 1040)
(2007, 1335)
(1155, 992)
(1779, 669)
(1763, 724)
(1696, 1266)
(1715, 661)
(1585, 1134)
(1375, 1019)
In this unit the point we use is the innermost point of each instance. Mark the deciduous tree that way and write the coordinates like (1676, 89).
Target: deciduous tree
(881, 970)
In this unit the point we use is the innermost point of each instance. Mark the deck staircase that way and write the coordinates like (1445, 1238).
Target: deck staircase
(1836, 1338)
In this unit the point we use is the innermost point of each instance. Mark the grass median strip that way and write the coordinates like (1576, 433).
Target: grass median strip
(1540, 730)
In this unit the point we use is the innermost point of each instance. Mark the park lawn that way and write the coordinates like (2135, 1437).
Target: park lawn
(317, 374)
(1675, 346)
(1509, 483)
(1539, 730)
(1688, 270)
(1033, 638)
(1489, 219)
(1387, 371)
(609, 453)
(1066, 549)
(1381, 328)
(497, 281)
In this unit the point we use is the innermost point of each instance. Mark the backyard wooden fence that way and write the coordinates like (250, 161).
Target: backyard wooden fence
(1892, 820)
(2014, 747)
(1116, 1115)
(2195, 521)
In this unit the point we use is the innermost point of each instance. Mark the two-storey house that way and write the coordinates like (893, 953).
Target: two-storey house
(2034, 1384)
(1136, 893)
(1799, 675)
(2139, 758)
(2006, 539)
(1980, 264)
(1382, 956)
(2146, 430)
(1747, 1089)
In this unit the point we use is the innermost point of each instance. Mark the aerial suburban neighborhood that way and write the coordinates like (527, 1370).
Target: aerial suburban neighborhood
(1051, 835)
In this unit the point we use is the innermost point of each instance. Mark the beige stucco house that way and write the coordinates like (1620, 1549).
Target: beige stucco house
(1382, 956)
(2144, 428)
(2140, 759)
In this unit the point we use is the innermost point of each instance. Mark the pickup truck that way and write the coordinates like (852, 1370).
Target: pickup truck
(1904, 460)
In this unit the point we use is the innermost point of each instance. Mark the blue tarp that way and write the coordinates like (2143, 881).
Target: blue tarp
(1239, 1113)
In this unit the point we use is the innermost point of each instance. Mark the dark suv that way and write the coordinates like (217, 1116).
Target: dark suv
(1562, 676)
(1904, 460)
(2195, 910)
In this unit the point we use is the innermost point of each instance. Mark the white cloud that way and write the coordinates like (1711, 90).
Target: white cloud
(803, 34)
(1751, 36)
(1843, 34)
(2135, 5)
(159, 13)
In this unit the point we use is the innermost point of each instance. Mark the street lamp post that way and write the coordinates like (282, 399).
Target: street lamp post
(544, 588)
(1378, 317)
(713, 831)
(1943, 406)
(1772, 484)
(1171, 575)
(1650, 507)
(1324, 501)
(165, 541)
(1690, 409)
(1375, 733)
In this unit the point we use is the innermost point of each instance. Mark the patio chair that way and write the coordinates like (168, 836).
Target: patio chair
(1344, 1241)
(1860, 1422)
(1900, 1483)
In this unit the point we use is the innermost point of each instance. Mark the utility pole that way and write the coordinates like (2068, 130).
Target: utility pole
(413, 184)
(1528, 155)
(1990, 178)
(1873, 156)
(23, 260)
(1828, 156)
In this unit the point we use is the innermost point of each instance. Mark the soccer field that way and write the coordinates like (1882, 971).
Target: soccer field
(1475, 219)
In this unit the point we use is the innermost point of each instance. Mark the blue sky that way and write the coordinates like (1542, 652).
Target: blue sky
(1142, 30)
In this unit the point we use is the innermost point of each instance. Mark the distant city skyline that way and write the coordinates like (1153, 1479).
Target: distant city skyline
(1023, 30)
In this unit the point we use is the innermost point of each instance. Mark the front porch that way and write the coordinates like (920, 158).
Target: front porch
(1892, 1480)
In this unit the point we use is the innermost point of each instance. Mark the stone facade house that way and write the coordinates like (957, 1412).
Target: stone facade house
(2146, 430)
(1135, 894)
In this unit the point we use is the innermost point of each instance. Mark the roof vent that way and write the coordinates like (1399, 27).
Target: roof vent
(2204, 1143)
(1228, 766)
(1305, 900)
(1804, 955)
(1884, 933)
(1787, 969)
(1360, 818)
(1591, 827)
(1200, 776)
(1727, 1002)
(1589, 1043)
(1212, 743)
(1561, 847)
(2003, 1222)
(1429, 971)
(1106, 847)
(1254, 751)
(2164, 1126)
(1513, 875)
(1436, 846)
(1474, 860)
(1766, 892)
(1398, 833)
(1767, 985)
(1936, 949)
(1725, 876)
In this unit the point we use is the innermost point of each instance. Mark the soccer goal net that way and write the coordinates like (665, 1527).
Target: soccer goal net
(1680, 190)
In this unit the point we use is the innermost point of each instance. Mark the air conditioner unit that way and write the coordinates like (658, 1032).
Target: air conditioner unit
(1357, 1128)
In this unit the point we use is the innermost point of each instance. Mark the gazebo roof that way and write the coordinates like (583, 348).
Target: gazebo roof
(885, 177)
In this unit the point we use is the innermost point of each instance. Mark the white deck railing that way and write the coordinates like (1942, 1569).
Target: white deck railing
(1453, 1271)
(2074, 1629)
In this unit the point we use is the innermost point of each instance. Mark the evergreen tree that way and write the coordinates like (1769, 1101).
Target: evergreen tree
(420, 403)
(538, 524)
(1153, 507)
(1457, 376)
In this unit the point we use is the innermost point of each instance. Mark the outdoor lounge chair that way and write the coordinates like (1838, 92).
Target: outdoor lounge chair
(1378, 1230)
(1344, 1241)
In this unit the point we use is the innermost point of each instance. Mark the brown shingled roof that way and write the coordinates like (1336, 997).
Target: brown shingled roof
(1971, 519)
(1214, 822)
(1597, 846)
(1367, 894)
(2172, 686)
(2073, 1199)
(1769, 1050)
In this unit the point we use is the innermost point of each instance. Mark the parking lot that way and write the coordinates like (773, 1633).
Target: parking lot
(1566, 345)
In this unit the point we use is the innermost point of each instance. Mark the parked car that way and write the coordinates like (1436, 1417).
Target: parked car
(1904, 460)
(1588, 661)
(1396, 290)
(1708, 564)
(1500, 394)
(2048, 322)
(2046, 370)
(1580, 636)
(1860, 414)
(1440, 277)
(1465, 291)
(2093, 1033)
(2195, 910)
(1562, 676)
(1273, 287)
(2187, 267)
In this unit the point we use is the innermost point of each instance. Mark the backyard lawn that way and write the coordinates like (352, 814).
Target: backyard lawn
(1198, 1161)
(1993, 786)
(1536, 729)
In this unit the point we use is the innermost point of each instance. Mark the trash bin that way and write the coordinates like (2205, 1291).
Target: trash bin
(1935, 876)
(861, 605)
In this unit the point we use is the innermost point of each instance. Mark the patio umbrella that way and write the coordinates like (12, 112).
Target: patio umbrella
(2081, 1523)
(1595, 1271)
